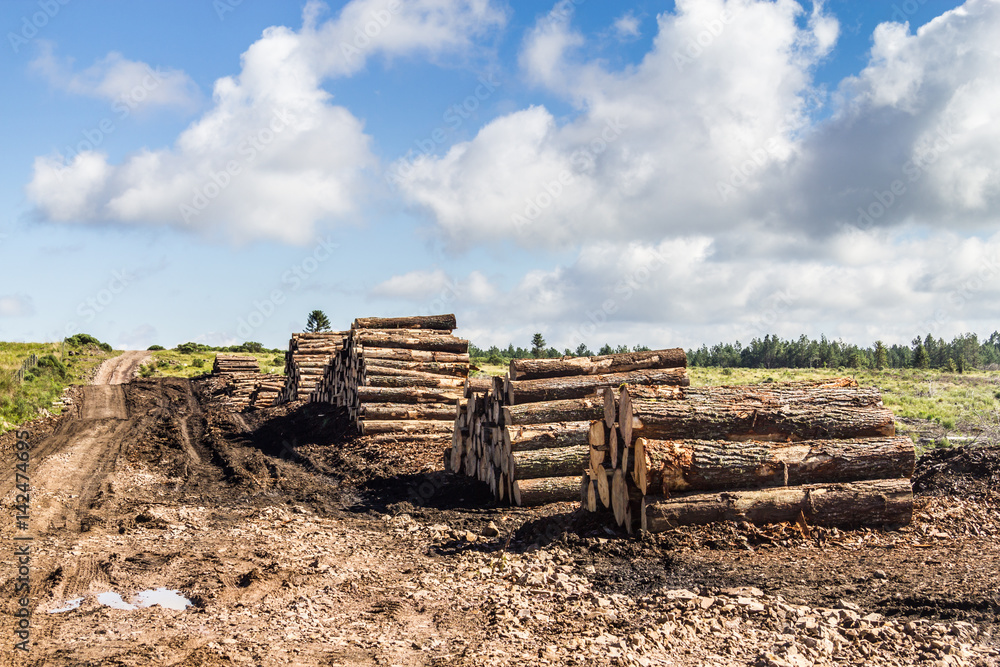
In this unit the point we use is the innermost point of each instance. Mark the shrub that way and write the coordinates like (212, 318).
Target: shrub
(56, 367)
(188, 348)
(82, 339)
(154, 348)
(278, 360)
(198, 363)
(146, 371)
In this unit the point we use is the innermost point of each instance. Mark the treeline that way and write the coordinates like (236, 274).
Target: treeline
(194, 348)
(539, 350)
(963, 352)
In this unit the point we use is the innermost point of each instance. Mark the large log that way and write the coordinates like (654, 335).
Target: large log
(573, 410)
(408, 339)
(532, 369)
(408, 395)
(551, 463)
(425, 380)
(390, 411)
(711, 419)
(529, 492)
(561, 388)
(666, 466)
(545, 436)
(457, 368)
(399, 354)
(375, 427)
(851, 505)
(438, 322)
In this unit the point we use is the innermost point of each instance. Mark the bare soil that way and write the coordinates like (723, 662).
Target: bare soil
(299, 544)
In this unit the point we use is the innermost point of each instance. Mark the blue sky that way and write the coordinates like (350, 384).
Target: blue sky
(641, 172)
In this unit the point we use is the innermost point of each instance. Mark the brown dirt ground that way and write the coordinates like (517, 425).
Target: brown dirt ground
(298, 544)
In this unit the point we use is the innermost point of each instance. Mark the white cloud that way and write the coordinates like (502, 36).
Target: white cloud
(127, 84)
(273, 156)
(627, 26)
(16, 305)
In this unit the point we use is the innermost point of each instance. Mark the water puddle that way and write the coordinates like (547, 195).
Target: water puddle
(166, 598)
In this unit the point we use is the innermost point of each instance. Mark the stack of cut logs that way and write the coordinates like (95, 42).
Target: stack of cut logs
(269, 387)
(226, 364)
(306, 360)
(528, 434)
(821, 453)
(251, 390)
(399, 378)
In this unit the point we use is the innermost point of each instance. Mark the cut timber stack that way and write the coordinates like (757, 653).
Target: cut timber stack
(267, 390)
(825, 453)
(306, 360)
(226, 364)
(247, 390)
(527, 435)
(399, 379)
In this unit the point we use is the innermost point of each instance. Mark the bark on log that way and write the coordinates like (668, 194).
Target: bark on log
(439, 322)
(478, 385)
(725, 420)
(555, 389)
(532, 369)
(410, 341)
(541, 491)
(573, 410)
(432, 381)
(663, 467)
(374, 427)
(391, 411)
(458, 369)
(561, 462)
(851, 505)
(545, 436)
(400, 354)
(407, 395)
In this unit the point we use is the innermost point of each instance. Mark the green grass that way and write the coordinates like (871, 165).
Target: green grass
(23, 401)
(171, 363)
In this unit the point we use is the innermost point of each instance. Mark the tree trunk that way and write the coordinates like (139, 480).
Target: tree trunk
(545, 436)
(722, 419)
(438, 322)
(533, 369)
(457, 369)
(597, 438)
(427, 380)
(390, 411)
(573, 410)
(554, 389)
(541, 491)
(407, 395)
(399, 354)
(478, 385)
(409, 340)
(551, 462)
(852, 505)
(667, 466)
(374, 427)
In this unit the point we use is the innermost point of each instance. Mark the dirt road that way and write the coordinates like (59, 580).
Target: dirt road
(299, 546)
(121, 369)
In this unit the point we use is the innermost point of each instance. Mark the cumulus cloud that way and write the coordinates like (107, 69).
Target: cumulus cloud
(627, 26)
(16, 305)
(273, 156)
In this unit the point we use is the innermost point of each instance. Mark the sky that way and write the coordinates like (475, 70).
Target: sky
(656, 173)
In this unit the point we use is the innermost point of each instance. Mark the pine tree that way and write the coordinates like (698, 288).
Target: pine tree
(881, 355)
(538, 345)
(317, 321)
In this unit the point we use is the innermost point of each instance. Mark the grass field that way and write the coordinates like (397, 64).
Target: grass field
(171, 363)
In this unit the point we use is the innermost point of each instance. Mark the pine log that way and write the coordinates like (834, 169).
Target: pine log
(425, 411)
(544, 436)
(377, 369)
(577, 409)
(411, 341)
(597, 438)
(722, 419)
(602, 482)
(667, 466)
(430, 438)
(427, 380)
(625, 411)
(826, 395)
(408, 395)
(850, 505)
(623, 494)
(374, 427)
(439, 322)
(610, 407)
(532, 369)
(479, 384)
(550, 462)
(456, 368)
(399, 354)
(591, 500)
(544, 490)
(554, 389)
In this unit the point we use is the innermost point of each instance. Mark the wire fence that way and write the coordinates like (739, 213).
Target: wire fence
(26, 366)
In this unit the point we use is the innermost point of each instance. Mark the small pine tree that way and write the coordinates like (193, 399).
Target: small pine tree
(881, 355)
(317, 321)
(537, 345)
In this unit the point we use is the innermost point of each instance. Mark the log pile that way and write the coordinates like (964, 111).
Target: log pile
(528, 434)
(306, 360)
(242, 391)
(399, 379)
(227, 364)
(267, 390)
(820, 453)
